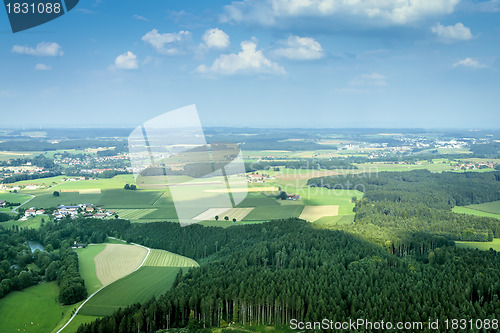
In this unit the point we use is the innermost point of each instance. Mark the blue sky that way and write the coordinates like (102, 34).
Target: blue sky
(257, 63)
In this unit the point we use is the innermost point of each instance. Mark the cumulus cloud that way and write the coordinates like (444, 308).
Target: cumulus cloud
(300, 48)
(127, 60)
(167, 43)
(42, 49)
(215, 38)
(266, 12)
(452, 32)
(249, 60)
(42, 67)
(469, 62)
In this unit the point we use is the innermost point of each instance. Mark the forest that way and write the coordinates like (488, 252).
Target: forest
(398, 206)
(270, 273)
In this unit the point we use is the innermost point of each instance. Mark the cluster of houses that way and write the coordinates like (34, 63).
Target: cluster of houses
(87, 210)
(33, 212)
(256, 178)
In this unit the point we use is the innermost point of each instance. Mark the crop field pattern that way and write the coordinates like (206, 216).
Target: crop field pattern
(117, 261)
(161, 258)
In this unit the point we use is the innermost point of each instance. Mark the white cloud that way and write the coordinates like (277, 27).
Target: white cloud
(300, 48)
(266, 12)
(140, 18)
(167, 43)
(42, 49)
(127, 60)
(369, 80)
(42, 67)
(248, 60)
(216, 38)
(469, 62)
(452, 32)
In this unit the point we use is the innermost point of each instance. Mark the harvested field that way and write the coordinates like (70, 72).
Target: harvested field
(313, 213)
(307, 175)
(233, 213)
(117, 261)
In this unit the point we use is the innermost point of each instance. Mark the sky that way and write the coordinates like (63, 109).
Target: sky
(257, 63)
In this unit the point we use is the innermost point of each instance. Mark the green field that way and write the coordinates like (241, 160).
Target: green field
(87, 266)
(132, 214)
(483, 246)
(265, 213)
(487, 207)
(33, 222)
(46, 199)
(34, 309)
(470, 211)
(14, 197)
(331, 221)
(137, 287)
(161, 258)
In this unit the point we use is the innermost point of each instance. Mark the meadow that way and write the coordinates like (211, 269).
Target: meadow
(487, 207)
(161, 258)
(137, 287)
(471, 211)
(34, 309)
(87, 266)
(483, 246)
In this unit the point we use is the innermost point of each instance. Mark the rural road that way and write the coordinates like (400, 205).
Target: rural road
(88, 298)
(14, 209)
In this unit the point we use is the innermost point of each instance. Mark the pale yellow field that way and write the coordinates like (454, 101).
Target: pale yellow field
(232, 213)
(313, 213)
(250, 189)
(90, 191)
(117, 261)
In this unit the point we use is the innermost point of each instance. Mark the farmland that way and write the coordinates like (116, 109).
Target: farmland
(483, 246)
(161, 258)
(487, 207)
(313, 213)
(139, 286)
(470, 211)
(117, 261)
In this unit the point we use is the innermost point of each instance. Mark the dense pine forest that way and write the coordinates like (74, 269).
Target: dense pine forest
(271, 273)
(398, 207)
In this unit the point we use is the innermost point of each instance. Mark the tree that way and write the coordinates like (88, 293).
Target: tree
(126, 187)
(226, 218)
(56, 193)
(216, 217)
(282, 195)
(354, 199)
(133, 187)
(234, 220)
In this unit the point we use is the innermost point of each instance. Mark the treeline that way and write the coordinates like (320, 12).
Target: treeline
(45, 145)
(398, 204)
(313, 164)
(288, 269)
(40, 161)
(71, 285)
(26, 176)
(20, 268)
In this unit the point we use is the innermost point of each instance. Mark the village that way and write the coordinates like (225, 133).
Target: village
(62, 211)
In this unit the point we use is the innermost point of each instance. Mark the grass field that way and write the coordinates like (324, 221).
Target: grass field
(265, 213)
(484, 246)
(132, 214)
(236, 213)
(46, 199)
(139, 286)
(161, 258)
(470, 211)
(14, 197)
(332, 221)
(488, 207)
(33, 222)
(34, 309)
(313, 213)
(87, 266)
(117, 261)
